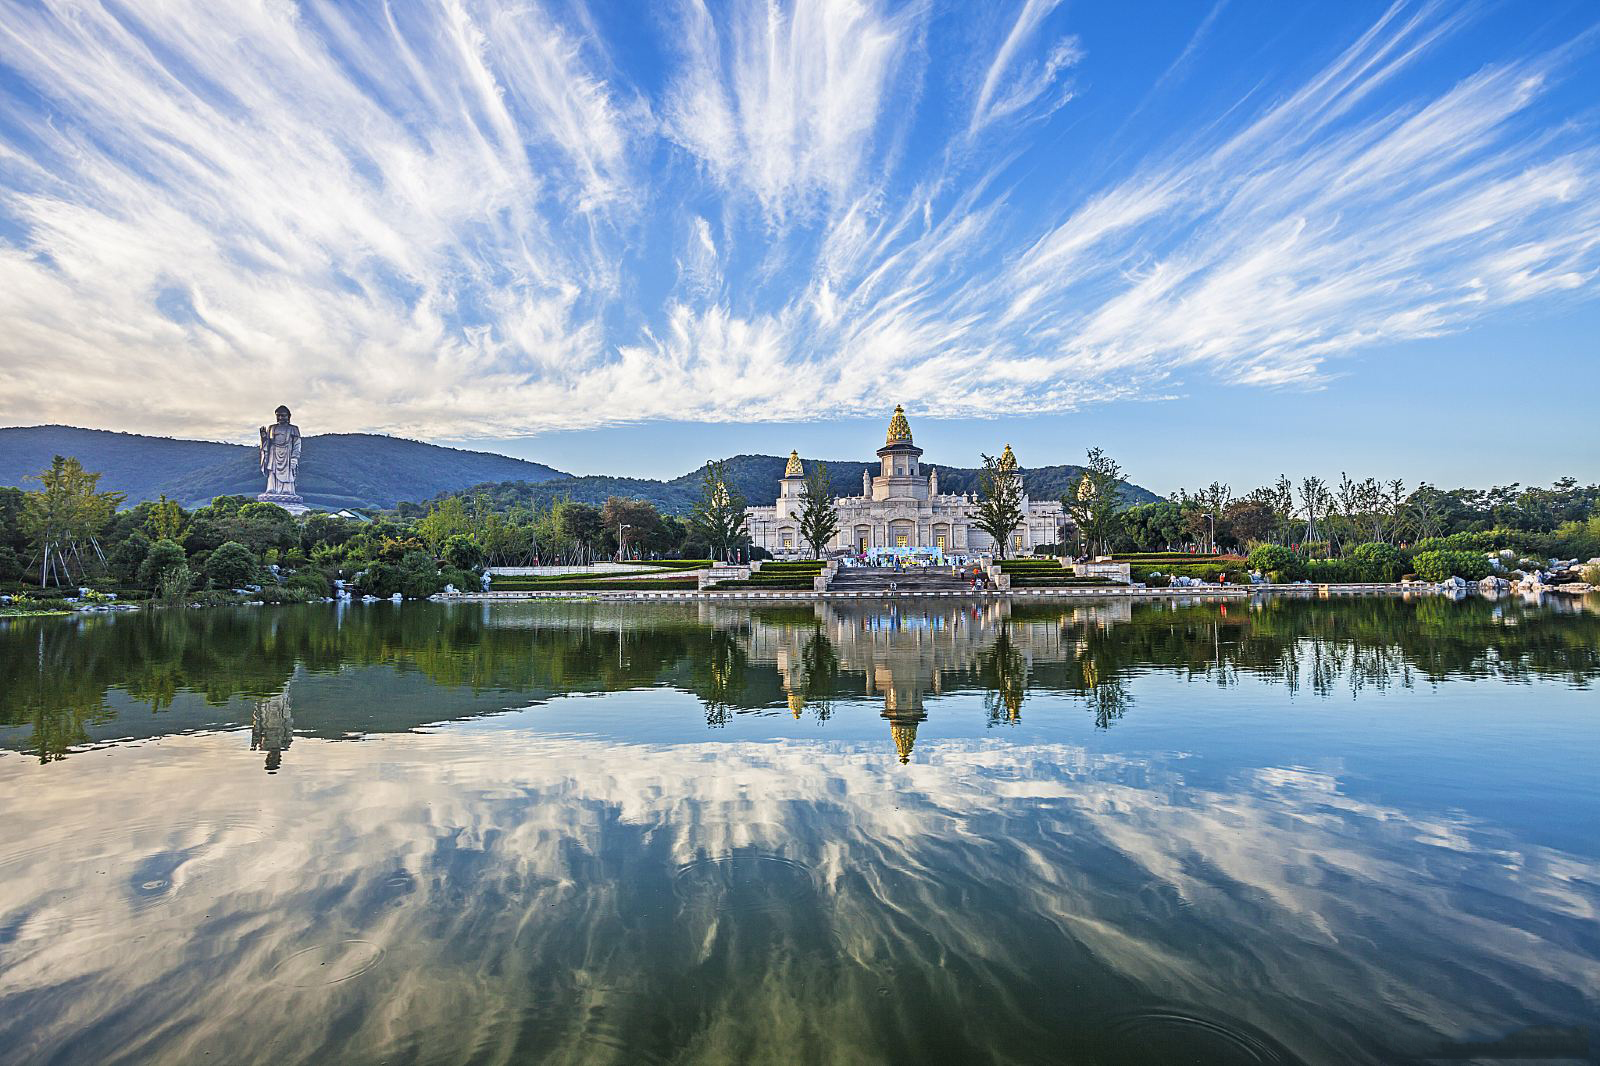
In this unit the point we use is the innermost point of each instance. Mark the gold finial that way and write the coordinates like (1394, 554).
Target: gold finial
(905, 735)
(899, 428)
(1085, 489)
(794, 469)
(797, 703)
(1008, 461)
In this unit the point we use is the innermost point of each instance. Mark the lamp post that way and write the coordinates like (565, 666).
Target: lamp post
(621, 550)
(1211, 523)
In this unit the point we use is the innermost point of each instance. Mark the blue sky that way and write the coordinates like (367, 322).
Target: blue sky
(1220, 240)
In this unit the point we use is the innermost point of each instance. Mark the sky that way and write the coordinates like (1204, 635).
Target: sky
(1220, 240)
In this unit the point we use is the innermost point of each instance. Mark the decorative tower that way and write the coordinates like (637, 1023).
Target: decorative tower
(792, 486)
(900, 473)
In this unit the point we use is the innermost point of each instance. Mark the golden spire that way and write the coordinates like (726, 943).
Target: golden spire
(1008, 461)
(905, 735)
(899, 428)
(1085, 489)
(797, 703)
(794, 469)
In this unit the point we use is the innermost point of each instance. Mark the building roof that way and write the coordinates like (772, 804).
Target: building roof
(1008, 461)
(794, 469)
(899, 428)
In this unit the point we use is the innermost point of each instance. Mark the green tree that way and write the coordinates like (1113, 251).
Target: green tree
(1095, 500)
(164, 555)
(263, 526)
(64, 518)
(445, 519)
(233, 565)
(718, 515)
(819, 515)
(462, 552)
(999, 507)
(165, 520)
(627, 521)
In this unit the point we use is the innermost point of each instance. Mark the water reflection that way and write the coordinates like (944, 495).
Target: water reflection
(71, 683)
(1094, 833)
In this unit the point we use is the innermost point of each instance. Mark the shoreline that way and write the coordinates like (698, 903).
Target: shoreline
(988, 595)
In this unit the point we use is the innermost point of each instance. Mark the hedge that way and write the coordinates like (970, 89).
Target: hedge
(663, 584)
(793, 584)
(1065, 581)
(1441, 565)
(678, 564)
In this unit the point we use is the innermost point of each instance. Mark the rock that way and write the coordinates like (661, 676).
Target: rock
(1453, 584)
(397, 598)
(1494, 584)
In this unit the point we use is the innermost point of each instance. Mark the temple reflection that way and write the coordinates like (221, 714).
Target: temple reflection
(906, 651)
(73, 683)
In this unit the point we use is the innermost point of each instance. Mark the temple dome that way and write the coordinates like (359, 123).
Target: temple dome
(1008, 461)
(899, 428)
(794, 469)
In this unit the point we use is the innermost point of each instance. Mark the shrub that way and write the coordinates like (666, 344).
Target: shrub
(232, 565)
(313, 583)
(1275, 558)
(419, 576)
(174, 583)
(164, 555)
(463, 580)
(1334, 571)
(380, 579)
(1439, 565)
(1379, 561)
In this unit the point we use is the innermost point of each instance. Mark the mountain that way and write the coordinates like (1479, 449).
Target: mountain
(358, 470)
(757, 477)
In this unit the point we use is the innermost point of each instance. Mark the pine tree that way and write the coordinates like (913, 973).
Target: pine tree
(819, 516)
(999, 508)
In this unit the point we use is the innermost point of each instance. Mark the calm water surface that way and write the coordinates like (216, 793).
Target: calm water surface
(1295, 832)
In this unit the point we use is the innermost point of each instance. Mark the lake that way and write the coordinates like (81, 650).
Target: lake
(1293, 831)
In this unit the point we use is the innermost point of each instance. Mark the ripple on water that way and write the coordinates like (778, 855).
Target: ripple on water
(130, 855)
(1172, 1034)
(744, 881)
(328, 964)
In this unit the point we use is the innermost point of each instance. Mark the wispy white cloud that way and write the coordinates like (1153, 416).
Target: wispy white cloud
(467, 218)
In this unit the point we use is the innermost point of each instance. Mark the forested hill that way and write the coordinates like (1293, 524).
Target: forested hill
(356, 470)
(757, 477)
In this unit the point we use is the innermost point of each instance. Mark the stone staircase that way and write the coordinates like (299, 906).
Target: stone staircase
(879, 579)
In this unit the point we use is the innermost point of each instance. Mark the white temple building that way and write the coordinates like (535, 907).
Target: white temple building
(900, 511)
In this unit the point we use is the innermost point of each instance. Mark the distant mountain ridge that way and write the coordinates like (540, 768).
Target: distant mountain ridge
(362, 470)
(757, 477)
(357, 470)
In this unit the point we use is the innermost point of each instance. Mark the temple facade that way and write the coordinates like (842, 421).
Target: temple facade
(900, 510)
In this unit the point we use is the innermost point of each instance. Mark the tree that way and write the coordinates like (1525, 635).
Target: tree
(164, 556)
(999, 509)
(262, 526)
(719, 514)
(64, 518)
(819, 516)
(462, 552)
(445, 519)
(1248, 520)
(1095, 500)
(629, 520)
(165, 520)
(1315, 502)
(232, 565)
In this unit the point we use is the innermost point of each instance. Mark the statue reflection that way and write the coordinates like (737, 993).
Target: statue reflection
(272, 729)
